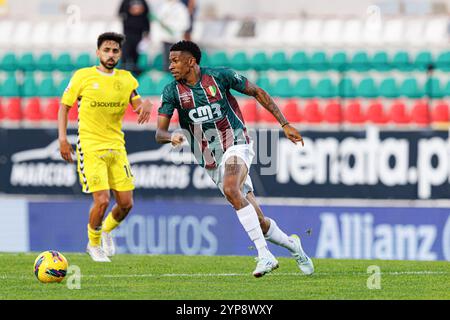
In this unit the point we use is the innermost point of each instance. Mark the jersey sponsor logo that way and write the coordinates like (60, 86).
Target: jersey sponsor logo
(205, 113)
(106, 104)
(186, 98)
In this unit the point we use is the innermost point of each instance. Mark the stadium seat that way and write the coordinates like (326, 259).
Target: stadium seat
(50, 112)
(146, 86)
(353, 113)
(360, 62)
(346, 88)
(239, 61)
(13, 110)
(259, 61)
(8, 62)
(333, 112)
(433, 88)
(32, 111)
(447, 89)
(380, 61)
(410, 89)
(376, 114)
(64, 62)
(299, 61)
(388, 88)
(401, 61)
(82, 61)
(398, 114)
(423, 61)
(264, 83)
(279, 61)
(265, 116)
(339, 61)
(143, 62)
(10, 87)
(319, 61)
(440, 112)
(325, 88)
(291, 111)
(131, 116)
(367, 88)
(62, 86)
(312, 113)
(303, 88)
(26, 62)
(73, 112)
(45, 62)
(46, 88)
(420, 113)
(443, 61)
(29, 87)
(219, 59)
(249, 111)
(158, 62)
(283, 88)
(2, 113)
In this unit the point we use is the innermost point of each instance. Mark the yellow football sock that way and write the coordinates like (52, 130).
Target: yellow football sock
(94, 236)
(109, 224)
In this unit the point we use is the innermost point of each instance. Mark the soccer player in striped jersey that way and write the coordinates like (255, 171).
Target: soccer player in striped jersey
(213, 125)
(103, 94)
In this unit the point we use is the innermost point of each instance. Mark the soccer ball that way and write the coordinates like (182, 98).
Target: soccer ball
(50, 266)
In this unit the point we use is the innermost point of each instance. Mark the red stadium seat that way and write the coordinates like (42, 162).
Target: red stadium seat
(420, 113)
(332, 112)
(353, 113)
(32, 111)
(13, 111)
(73, 112)
(130, 115)
(376, 114)
(249, 111)
(265, 116)
(398, 114)
(291, 111)
(439, 112)
(174, 118)
(51, 110)
(312, 112)
(2, 113)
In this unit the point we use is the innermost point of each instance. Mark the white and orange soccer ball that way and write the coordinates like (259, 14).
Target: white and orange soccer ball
(50, 266)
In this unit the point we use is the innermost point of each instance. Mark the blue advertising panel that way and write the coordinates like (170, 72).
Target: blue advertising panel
(196, 228)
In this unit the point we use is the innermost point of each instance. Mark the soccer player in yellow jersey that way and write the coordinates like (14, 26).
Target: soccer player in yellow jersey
(103, 94)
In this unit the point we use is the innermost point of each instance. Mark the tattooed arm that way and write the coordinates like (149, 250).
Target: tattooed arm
(267, 102)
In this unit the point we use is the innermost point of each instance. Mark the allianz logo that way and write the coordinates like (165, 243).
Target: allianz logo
(205, 113)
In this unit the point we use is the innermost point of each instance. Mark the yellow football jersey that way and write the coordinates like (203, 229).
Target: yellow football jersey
(102, 101)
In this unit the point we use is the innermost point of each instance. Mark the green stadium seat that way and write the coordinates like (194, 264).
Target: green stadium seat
(443, 61)
(346, 88)
(319, 61)
(143, 62)
(82, 61)
(165, 79)
(409, 88)
(29, 87)
(64, 62)
(279, 61)
(26, 62)
(219, 59)
(388, 88)
(8, 62)
(447, 89)
(264, 83)
(10, 87)
(146, 86)
(433, 88)
(423, 60)
(401, 61)
(158, 62)
(45, 62)
(303, 88)
(360, 62)
(282, 88)
(339, 61)
(204, 61)
(380, 61)
(299, 61)
(46, 88)
(367, 88)
(62, 86)
(325, 88)
(259, 61)
(239, 61)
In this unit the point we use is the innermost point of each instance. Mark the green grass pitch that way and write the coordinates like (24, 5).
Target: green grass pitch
(175, 277)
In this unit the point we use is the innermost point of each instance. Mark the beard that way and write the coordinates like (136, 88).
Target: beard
(109, 65)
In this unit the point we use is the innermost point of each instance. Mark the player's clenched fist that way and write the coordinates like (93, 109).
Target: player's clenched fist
(176, 139)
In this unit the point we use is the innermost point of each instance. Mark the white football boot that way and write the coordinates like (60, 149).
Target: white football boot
(108, 244)
(303, 261)
(97, 254)
(265, 265)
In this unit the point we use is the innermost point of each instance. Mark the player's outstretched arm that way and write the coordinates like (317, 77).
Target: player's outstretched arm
(65, 147)
(267, 102)
(143, 108)
(164, 136)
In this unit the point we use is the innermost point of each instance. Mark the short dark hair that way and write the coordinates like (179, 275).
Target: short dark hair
(110, 36)
(188, 46)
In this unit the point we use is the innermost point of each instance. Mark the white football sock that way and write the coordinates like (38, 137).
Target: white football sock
(277, 236)
(249, 220)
